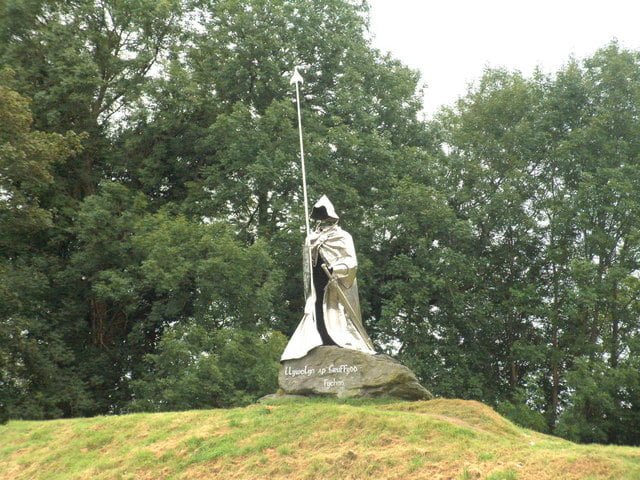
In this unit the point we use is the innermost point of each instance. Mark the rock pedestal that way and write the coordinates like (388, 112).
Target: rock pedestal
(342, 373)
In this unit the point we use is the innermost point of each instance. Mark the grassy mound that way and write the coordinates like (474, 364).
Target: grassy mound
(437, 439)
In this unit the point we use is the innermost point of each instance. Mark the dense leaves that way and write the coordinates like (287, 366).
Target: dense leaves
(199, 367)
(151, 214)
(547, 171)
(37, 368)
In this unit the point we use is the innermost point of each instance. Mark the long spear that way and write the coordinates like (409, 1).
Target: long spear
(297, 79)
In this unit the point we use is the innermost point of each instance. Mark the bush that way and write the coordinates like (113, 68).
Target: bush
(523, 415)
(196, 367)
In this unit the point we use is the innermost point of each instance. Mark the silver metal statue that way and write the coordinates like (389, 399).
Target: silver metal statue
(332, 308)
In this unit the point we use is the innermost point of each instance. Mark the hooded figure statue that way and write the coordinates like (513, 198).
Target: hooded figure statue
(332, 308)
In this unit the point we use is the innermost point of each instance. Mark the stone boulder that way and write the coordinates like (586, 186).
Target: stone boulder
(342, 373)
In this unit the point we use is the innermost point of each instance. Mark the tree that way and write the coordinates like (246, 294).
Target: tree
(36, 366)
(84, 65)
(488, 178)
(599, 149)
(545, 170)
(233, 155)
(200, 367)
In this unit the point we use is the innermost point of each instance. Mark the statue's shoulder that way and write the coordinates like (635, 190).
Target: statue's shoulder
(335, 230)
(338, 233)
(332, 234)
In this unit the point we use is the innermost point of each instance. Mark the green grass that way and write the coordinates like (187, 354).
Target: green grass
(310, 439)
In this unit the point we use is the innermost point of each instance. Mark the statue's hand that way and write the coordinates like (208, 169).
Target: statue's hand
(339, 269)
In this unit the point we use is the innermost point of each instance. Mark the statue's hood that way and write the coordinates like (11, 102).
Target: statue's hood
(325, 203)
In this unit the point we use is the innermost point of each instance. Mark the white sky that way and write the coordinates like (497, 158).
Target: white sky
(452, 41)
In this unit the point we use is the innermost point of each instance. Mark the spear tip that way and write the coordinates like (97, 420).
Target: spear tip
(296, 78)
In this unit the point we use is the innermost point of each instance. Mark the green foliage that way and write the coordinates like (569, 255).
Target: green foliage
(590, 413)
(203, 270)
(37, 377)
(27, 159)
(197, 366)
(603, 406)
(82, 62)
(150, 270)
(522, 414)
(546, 171)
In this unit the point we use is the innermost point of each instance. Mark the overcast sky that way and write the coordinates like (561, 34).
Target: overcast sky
(452, 41)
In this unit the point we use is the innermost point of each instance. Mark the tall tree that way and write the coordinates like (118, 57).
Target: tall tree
(236, 151)
(545, 170)
(190, 124)
(37, 368)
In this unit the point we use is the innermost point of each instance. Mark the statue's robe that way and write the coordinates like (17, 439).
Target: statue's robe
(343, 323)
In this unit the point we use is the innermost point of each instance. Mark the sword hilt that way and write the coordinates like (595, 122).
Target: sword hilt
(327, 271)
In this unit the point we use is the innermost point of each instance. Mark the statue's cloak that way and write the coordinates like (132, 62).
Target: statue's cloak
(343, 322)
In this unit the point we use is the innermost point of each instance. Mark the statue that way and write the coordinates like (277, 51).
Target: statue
(330, 353)
(332, 308)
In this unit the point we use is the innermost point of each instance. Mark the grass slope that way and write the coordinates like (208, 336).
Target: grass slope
(323, 439)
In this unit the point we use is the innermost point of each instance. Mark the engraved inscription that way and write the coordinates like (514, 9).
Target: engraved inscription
(329, 377)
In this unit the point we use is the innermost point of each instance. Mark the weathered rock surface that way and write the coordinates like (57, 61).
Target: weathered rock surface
(343, 373)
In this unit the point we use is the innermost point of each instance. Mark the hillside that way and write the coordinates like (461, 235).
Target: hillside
(438, 439)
